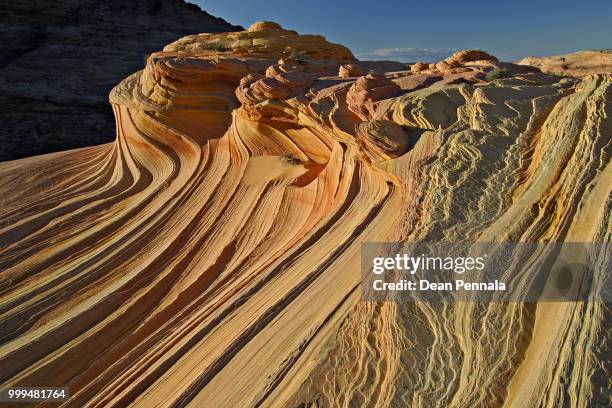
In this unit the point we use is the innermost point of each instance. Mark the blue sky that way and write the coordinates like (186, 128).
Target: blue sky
(430, 30)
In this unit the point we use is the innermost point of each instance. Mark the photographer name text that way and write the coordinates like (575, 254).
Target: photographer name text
(410, 265)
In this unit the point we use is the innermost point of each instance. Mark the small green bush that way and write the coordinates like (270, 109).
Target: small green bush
(560, 74)
(291, 159)
(219, 47)
(299, 56)
(497, 73)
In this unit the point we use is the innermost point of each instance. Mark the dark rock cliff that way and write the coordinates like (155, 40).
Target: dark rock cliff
(60, 58)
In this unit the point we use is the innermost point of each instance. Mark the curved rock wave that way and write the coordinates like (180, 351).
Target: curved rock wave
(211, 255)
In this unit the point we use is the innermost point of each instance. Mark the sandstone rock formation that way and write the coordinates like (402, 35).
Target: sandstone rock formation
(465, 56)
(367, 90)
(59, 60)
(210, 256)
(577, 64)
(349, 70)
(383, 139)
(419, 66)
(262, 40)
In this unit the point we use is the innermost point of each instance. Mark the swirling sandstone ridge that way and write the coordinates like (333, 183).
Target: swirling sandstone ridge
(210, 257)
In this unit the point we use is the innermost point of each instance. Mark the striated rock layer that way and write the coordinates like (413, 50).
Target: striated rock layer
(210, 256)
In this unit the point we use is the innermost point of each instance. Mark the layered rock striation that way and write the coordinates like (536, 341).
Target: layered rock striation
(210, 256)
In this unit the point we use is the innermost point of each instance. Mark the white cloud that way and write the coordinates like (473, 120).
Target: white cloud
(407, 54)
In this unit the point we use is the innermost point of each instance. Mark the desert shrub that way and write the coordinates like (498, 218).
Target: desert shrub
(218, 46)
(561, 74)
(497, 73)
(299, 56)
(291, 159)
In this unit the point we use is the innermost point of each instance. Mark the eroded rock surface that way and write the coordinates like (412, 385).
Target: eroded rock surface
(210, 256)
(577, 64)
